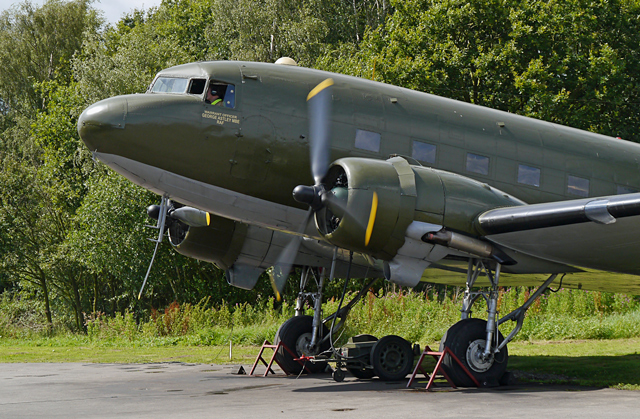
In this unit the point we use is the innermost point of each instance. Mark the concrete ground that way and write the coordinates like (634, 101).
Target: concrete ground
(177, 390)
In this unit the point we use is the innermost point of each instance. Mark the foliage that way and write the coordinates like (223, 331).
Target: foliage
(36, 45)
(418, 317)
(71, 232)
(569, 62)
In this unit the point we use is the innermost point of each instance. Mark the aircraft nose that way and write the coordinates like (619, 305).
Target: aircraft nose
(102, 120)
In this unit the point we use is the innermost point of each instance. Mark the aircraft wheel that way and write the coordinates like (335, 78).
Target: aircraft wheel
(392, 358)
(296, 334)
(466, 339)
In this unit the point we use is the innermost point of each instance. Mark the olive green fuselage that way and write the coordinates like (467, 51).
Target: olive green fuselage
(243, 161)
(261, 147)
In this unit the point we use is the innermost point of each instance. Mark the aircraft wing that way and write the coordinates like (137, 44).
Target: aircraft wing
(599, 233)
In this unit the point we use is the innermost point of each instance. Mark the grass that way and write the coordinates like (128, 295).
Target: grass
(21, 352)
(587, 338)
(601, 363)
(611, 363)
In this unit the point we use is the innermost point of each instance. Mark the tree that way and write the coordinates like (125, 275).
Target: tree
(265, 30)
(570, 62)
(37, 44)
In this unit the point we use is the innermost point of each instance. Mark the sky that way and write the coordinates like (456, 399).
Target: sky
(113, 9)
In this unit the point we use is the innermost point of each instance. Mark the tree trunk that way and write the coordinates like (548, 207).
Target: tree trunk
(77, 304)
(47, 305)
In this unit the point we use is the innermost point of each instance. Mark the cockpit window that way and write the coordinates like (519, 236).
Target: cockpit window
(221, 94)
(170, 85)
(196, 87)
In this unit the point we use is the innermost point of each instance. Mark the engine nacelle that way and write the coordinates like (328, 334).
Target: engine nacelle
(375, 201)
(220, 243)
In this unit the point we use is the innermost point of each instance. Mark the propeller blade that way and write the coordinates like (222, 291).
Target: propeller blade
(336, 201)
(372, 218)
(282, 267)
(319, 104)
(191, 216)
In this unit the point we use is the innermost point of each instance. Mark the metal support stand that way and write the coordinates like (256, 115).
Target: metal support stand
(268, 345)
(439, 357)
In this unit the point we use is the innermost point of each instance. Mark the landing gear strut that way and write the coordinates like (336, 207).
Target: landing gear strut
(303, 334)
(478, 344)
(309, 335)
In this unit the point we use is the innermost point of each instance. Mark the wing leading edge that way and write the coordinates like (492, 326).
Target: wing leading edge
(598, 233)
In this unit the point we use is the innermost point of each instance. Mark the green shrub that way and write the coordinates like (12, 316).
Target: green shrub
(417, 316)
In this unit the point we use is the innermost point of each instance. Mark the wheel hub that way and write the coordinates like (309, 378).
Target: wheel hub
(392, 358)
(302, 345)
(475, 360)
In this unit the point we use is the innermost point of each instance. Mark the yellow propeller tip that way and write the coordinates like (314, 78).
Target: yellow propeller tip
(372, 218)
(320, 87)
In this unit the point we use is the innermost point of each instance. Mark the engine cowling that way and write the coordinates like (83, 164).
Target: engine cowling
(220, 243)
(374, 202)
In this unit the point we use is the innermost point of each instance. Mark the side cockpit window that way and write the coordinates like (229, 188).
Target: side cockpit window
(221, 94)
(196, 86)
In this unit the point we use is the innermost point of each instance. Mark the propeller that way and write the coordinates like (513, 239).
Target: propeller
(319, 106)
(167, 214)
(332, 197)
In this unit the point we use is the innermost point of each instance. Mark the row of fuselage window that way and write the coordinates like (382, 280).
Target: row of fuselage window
(475, 163)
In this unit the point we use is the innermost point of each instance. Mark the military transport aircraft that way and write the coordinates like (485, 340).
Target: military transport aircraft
(400, 184)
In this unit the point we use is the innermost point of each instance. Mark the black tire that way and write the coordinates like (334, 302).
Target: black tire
(392, 358)
(464, 338)
(294, 333)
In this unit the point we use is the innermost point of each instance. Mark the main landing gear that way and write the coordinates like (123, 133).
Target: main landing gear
(364, 356)
(478, 344)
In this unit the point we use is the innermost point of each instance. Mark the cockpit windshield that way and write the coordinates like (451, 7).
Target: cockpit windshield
(170, 85)
(216, 93)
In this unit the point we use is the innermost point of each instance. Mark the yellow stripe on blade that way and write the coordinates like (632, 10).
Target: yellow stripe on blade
(272, 278)
(320, 87)
(372, 218)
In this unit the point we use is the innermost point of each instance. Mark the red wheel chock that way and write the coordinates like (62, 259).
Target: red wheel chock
(268, 345)
(439, 357)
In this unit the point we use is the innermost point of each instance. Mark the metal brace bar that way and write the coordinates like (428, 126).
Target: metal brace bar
(518, 313)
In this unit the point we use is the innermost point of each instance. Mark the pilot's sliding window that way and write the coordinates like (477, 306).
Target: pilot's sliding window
(577, 186)
(477, 164)
(225, 91)
(528, 175)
